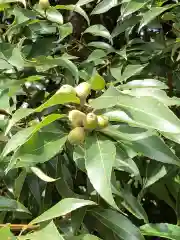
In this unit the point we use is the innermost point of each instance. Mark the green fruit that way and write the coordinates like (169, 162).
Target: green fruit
(77, 118)
(76, 136)
(83, 90)
(66, 89)
(91, 121)
(44, 3)
(102, 121)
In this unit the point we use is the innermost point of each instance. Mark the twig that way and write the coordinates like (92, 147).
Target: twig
(19, 227)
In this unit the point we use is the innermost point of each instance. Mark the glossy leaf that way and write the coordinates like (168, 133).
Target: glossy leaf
(46, 233)
(151, 14)
(75, 8)
(58, 98)
(146, 83)
(164, 230)
(155, 148)
(104, 6)
(84, 2)
(119, 224)
(42, 175)
(62, 208)
(7, 204)
(40, 148)
(145, 110)
(99, 30)
(17, 116)
(99, 159)
(132, 6)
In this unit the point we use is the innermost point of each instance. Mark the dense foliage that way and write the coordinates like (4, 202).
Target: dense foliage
(89, 128)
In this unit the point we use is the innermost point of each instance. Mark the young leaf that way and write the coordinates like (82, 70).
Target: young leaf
(99, 159)
(62, 208)
(97, 82)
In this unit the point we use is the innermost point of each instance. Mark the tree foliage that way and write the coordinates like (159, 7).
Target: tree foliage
(89, 127)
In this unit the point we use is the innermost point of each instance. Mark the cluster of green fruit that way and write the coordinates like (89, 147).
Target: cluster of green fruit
(82, 121)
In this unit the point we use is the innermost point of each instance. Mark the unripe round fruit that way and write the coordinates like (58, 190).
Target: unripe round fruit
(76, 136)
(91, 121)
(44, 3)
(77, 118)
(102, 121)
(83, 90)
(66, 89)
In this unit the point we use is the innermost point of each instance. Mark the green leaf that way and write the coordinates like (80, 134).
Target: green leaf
(7, 204)
(54, 15)
(119, 224)
(39, 173)
(65, 30)
(132, 6)
(75, 8)
(97, 82)
(146, 83)
(17, 140)
(130, 71)
(122, 26)
(125, 163)
(99, 30)
(62, 208)
(104, 6)
(5, 233)
(99, 159)
(22, 136)
(46, 233)
(19, 182)
(41, 147)
(17, 116)
(59, 98)
(131, 203)
(151, 14)
(95, 55)
(146, 111)
(155, 148)
(156, 172)
(4, 100)
(163, 230)
(118, 133)
(13, 1)
(158, 94)
(84, 2)
(85, 237)
(101, 45)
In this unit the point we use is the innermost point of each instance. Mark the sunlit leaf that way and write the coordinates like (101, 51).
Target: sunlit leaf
(63, 207)
(99, 159)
